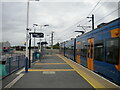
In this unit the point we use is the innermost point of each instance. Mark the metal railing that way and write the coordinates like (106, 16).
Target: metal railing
(13, 62)
(16, 61)
(36, 56)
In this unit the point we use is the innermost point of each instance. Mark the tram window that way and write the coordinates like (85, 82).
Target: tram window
(78, 48)
(84, 50)
(99, 51)
(72, 48)
(81, 49)
(112, 51)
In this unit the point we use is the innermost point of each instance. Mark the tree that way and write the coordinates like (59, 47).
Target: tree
(56, 46)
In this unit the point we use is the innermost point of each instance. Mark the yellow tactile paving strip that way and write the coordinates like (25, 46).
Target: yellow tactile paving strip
(51, 70)
(49, 63)
(96, 81)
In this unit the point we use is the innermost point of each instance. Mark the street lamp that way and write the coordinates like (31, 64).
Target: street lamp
(34, 32)
(27, 36)
(80, 31)
(46, 25)
(46, 42)
(46, 37)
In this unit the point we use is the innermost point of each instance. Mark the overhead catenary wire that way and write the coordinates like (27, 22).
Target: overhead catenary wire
(73, 26)
(107, 15)
(100, 6)
(91, 13)
(92, 10)
(100, 19)
(94, 7)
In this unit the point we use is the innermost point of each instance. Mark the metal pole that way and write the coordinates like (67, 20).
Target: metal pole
(45, 45)
(30, 51)
(40, 39)
(40, 45)
(34, 39)
(92, 22)
(26, 59)
(52, 42)
(49, 39)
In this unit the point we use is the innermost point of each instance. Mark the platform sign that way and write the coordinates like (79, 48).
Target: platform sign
(42, 43)
(38, 35)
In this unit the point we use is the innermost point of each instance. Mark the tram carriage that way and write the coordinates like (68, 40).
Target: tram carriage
(98, 50)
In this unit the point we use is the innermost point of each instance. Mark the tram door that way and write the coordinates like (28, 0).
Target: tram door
(78, 52)
(90, 54)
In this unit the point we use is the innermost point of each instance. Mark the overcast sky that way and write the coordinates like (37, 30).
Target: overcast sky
(63, 17)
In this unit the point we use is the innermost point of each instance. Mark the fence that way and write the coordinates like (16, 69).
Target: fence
(36, 56)
(13, 62)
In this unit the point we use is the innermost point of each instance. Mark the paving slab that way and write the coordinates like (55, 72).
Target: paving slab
(69, 79)
(59, 66)
(54, 75)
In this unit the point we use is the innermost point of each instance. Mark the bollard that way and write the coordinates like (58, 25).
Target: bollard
(38, 55)
(26, 64)
(18, 62)
(9, 60)
(33, 58)
(23, 60)
(3, 71)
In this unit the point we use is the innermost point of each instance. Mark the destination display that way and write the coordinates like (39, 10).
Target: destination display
(38, 35)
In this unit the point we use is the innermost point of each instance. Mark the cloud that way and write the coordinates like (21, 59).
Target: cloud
(60, 1)
(0, 22)
(62, 17)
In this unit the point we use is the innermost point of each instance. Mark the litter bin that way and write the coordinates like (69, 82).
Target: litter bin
(38, 55)
(3, 68)
(33, 57)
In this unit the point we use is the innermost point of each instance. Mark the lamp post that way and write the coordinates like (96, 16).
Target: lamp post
(27, 36)
(48, 38)
(80, 31)
(34, 32)
(52, 42)
(26, 58)
(46, 43)
(46, 25)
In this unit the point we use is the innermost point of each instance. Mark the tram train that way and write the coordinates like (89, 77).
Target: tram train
(97, 50)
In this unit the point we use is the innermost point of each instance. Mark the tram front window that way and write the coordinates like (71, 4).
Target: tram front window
(112, 51)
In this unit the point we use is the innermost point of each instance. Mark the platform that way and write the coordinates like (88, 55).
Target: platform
(56, 71)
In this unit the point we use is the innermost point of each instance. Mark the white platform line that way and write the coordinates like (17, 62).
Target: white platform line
(94, 73)
(14, 81)
(20, 71)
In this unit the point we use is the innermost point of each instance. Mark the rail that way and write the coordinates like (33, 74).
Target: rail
(11, 63)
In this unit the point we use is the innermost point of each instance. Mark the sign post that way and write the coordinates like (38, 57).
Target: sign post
(35, 35)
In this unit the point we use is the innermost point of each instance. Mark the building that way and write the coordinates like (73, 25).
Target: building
(5, 44)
